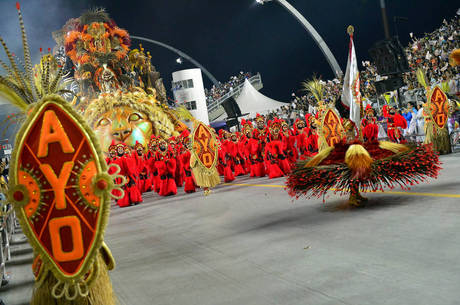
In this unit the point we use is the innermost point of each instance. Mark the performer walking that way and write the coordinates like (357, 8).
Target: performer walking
(204, 157)
(166, 165)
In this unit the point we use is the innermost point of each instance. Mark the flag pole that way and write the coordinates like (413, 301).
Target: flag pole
(351, 31)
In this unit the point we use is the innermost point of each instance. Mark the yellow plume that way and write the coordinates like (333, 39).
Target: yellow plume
(183, 114)
(316, 160)
(421, 77)
(314, 87)
(393, 147)
(358, 160)
(9, 94)
(445, 86)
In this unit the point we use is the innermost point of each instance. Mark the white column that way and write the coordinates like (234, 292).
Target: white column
(188, 89)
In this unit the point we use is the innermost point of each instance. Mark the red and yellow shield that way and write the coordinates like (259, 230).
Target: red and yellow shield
(60, 188)
(439, 107)
(332, 128)
(205, 146)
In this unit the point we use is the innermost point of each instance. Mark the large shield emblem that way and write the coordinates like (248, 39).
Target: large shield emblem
(60, 189)
(332, 128)
(439, 107)
(204, 146)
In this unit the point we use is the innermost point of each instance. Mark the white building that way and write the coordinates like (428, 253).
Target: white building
(188, 89)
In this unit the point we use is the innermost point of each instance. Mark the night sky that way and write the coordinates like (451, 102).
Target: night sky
(238, 35)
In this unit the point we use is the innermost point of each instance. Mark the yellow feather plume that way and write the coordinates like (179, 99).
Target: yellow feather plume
(445, 86)
(393, 147)
(314, 87)
(316, 160)
(421, 78)
(10, 95)
(358, 160)
(183, 114)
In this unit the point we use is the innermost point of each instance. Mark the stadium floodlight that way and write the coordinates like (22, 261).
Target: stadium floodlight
(313, 33)
(179, 61)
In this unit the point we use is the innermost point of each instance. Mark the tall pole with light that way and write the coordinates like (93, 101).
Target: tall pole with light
(313, 33)
(386, 27)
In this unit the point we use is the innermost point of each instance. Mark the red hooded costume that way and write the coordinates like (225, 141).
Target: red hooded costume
(369, 125)
(394, 123)
(166, 165)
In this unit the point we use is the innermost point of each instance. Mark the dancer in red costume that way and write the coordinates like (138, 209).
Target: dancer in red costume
(112, 169)
(132, 195)
(141, 161)
(256, 156)
(152, 158)
(289, 143)
(237, 157)
(226, 158)
(243, 144)
(350, 166)
(189, 181)
(312, 139)
(369, 126)
(261, 133)
(300, 132)
(261, 130)
(166, 165)
(112, 154)
(220, 164)
(395, 121)
(134, 192)
(176, 148)
(278, 163)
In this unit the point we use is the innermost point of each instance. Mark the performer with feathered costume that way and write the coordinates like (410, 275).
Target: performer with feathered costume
(204, 157)
(56, 139)
(350, 167)
(121, 95)
(436, 112)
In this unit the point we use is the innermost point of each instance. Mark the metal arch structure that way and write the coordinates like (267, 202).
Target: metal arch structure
(313, 33)
(181, 54)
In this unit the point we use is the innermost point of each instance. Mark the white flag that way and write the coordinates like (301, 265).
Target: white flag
(351, 95)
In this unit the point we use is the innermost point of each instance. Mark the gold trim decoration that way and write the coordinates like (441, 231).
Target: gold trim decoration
(68, 283)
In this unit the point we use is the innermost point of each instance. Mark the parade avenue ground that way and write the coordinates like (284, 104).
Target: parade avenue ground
(249, 243)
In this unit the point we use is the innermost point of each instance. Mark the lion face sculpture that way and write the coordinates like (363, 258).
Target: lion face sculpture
(127, 117)
(123, 125)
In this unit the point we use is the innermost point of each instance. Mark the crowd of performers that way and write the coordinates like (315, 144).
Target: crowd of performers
(262, 148)
(162, 168)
